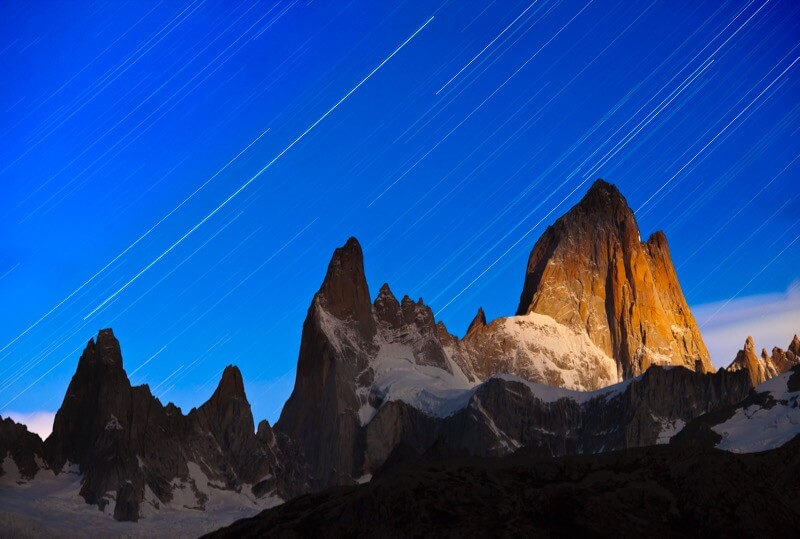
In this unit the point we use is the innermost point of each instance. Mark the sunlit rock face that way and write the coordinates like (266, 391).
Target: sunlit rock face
(591, 272)
(767, 366)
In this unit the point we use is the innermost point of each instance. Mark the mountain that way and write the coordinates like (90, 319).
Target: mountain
(603, 356)
(373, 373)
(665, 491)
(132, 452)
(21, 449)
(591, 272)
(766, 366)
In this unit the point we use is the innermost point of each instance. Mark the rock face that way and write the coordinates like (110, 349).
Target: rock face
(507, 413)
(335, 347)
(126, 443)
(760, 369)
(590, 271)
(22, 447)
(478, 322)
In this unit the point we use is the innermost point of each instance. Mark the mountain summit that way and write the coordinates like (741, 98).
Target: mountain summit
(591, 272)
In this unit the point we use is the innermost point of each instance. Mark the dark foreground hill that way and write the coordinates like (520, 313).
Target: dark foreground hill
(663, 491)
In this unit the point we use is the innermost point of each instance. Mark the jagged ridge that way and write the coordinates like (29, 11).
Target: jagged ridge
(131, 449)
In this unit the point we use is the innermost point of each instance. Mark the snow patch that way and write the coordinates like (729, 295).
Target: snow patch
(50, 506)
(551, 353)
(396, 374)
(366, 478)
(434, 391)
(669, 428)
(759, 428)
(504, 441)
(113, 423)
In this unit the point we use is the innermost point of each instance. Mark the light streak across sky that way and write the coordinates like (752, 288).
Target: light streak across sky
(182, 171)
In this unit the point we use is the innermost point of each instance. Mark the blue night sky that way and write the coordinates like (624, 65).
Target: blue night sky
(130, 131)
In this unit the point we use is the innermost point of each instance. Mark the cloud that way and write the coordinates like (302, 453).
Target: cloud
(40, 421)
(771, 319)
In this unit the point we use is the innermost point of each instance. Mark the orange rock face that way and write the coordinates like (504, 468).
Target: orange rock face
(761, 369)
(590, 271)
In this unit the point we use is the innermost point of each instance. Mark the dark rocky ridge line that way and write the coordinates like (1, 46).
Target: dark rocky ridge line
(664, 491)
(505, 414)
(123, 439)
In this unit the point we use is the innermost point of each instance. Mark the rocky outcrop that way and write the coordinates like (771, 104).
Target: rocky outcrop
(591, 271)
(321, 414)
(125, 442)
(747, 360)
(24, 448)
(760, 369)
(226, 417)
(344, 293)
(478, 322)
(783, 360)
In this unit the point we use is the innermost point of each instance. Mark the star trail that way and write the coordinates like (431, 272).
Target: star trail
(182, 171)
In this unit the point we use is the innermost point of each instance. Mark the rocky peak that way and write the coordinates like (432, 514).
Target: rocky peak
(591, 272)
(265, 433)
(228, 402)
(385, 295)
(230, 385)
(344, 292)
(417, 314)
(387, 308)
(794, 346)
(227, 417)
(747, 360)
(658, 240)
(765, 367)
(603, 200)
(478, 322)
(334, 360)
(99, 390)
(104, 351)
